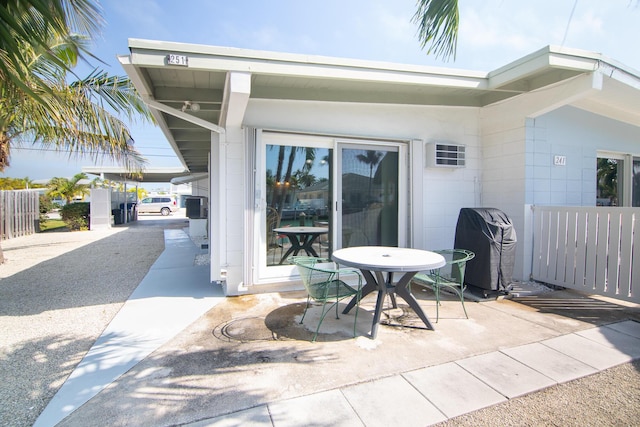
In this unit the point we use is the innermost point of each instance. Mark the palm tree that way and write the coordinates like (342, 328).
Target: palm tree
(372, 158)
(438, 26)
(68, 189)
(40, 43)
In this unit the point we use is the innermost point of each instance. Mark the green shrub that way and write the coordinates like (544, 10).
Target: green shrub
(76, 215)
(46, 206)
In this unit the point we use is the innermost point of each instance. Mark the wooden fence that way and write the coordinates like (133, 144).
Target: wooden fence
(19, 213)
(592, 249)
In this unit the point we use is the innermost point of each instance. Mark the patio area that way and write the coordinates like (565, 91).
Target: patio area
(247, 360)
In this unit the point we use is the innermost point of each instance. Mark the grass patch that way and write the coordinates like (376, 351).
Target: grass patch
(52, 224)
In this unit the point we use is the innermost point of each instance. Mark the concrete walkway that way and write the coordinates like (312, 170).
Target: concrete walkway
(434, 394)
(172, 295)
(176, 295)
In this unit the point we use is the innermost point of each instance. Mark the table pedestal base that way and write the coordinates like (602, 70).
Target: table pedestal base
(384, 287)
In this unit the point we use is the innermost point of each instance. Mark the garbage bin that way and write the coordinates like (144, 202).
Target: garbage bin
(132, 211)
(117, 216)
(489, 233)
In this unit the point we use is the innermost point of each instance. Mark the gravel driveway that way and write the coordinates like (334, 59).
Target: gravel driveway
(58, 291)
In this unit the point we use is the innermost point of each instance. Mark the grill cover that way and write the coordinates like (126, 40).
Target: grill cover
(489, 233)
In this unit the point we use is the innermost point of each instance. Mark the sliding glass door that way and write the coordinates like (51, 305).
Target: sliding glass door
(297, 179)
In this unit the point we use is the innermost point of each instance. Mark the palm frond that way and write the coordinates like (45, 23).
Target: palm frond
(27, 26)
(438, 26)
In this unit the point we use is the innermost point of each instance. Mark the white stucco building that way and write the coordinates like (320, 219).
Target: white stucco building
(269, 128)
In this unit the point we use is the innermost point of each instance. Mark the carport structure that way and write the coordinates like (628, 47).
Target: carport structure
(119, 174)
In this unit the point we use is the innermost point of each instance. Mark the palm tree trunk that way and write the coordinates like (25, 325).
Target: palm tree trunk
(1, 256)
(4, 151)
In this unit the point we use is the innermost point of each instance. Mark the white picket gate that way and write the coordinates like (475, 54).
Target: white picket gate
(592, 249)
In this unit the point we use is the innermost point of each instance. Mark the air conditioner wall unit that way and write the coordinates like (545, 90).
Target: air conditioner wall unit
(445, 155)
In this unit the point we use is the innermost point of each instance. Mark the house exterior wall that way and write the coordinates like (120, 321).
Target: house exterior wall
(442, 191)
(503, 135)
(200, 188)
(509, 165)
(519, 171)
(578, 135)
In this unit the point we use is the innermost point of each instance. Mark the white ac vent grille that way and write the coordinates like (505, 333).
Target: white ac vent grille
(447, 155)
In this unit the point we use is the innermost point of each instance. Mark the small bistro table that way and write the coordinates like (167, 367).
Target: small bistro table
(301, 238)
(374, 261)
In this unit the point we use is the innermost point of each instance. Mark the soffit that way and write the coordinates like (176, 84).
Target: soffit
(309, 78)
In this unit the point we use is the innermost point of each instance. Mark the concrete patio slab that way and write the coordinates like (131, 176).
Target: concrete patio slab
(628, 327)
(549, 362)
(453, 390)
(612, 338)
(588, 351)
(329, 408)
(391, 401)
(254, 417)
(506, 375)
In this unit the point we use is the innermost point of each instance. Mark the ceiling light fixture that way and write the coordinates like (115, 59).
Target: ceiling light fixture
(193, 106)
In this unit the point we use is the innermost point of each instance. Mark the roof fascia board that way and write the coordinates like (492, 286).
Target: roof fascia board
(548, 57)
(271, 56)
(209, 58)
(535, 103)
(620, 74)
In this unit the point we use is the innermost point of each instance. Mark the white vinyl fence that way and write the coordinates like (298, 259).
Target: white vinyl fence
(592, 249)
(19, 213)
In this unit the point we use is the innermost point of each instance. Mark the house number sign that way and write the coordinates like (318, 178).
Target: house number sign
(173, 59)
(560, 160)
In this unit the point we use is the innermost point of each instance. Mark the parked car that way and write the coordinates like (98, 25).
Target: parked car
(161, 205)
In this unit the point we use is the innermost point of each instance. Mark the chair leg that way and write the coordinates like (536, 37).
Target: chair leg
(306, 307)
(324, 313)
(436, 290)
(462, 301)
(355, 322)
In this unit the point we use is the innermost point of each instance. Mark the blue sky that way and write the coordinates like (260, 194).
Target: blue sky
(492, 34)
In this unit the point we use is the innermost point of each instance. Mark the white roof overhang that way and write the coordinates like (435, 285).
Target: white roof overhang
(223, 81)
(120, 174)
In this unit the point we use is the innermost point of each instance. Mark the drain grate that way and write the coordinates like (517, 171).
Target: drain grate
(244, 330)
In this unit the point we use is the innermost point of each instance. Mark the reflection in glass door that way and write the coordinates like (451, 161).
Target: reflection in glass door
(298, 193)
(370, 194)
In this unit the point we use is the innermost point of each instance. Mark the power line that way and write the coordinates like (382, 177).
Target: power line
(51, 150)
(566, 31)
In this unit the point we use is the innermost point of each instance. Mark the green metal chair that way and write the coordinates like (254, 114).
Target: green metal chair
(450, 276)
(323, 285)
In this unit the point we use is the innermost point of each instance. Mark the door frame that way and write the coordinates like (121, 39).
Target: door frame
(261, 273)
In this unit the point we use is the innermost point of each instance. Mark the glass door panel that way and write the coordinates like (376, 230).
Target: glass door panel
(298, 193)
(369, 188)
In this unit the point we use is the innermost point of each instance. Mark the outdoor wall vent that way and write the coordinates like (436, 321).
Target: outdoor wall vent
(445, 155)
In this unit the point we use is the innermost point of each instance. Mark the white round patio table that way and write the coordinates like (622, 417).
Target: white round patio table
(375, 261)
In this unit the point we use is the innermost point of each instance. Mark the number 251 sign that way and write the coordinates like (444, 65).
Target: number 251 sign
(173, 59)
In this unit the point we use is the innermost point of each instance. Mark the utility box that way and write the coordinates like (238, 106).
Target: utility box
(196, 207)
